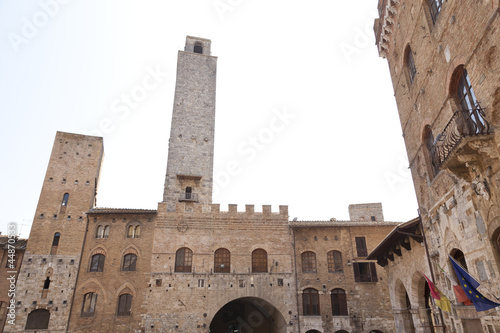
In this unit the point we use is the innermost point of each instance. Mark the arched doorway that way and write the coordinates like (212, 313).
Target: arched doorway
(315, 331)
(248, 314)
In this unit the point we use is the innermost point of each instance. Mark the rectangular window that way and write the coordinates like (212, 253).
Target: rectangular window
(361, 247)
(365, 272)
(201, 283)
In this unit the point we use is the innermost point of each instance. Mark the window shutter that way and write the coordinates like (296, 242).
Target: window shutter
(357, 278)
(373, 272)
(342, 300)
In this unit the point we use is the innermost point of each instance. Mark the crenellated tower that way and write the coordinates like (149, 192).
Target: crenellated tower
(191, 144)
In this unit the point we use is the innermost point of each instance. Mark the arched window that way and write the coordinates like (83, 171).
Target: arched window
(189, 191)
(124, 305)
(183, 260)
(222, 261)
(259, 261)
(339, 302)
(100, 232)
(97, 263)
(55, 240)
(65, 199)
(465, 96)
(459, 257)
(430, 153)
(55, 243)
(310, 302)
(38, 319)
(134, 231)
(334, 259)
(46, 283)
(410, 64)
(308, 262)
(129, 261)
(435, 8)
(198, 48)
(88, 306)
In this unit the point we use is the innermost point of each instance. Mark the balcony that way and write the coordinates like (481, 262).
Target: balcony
(463, 139)
(190, 197)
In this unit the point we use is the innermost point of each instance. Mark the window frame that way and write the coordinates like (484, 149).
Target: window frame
(222, 256)
(89, 299)
(410, 65)
(361, 248)
(365, 272)
(259, 261)
(339, 302)
(98, 262)
(310, 296)
(183, 260)
(124, 305)
(334, 260)
(435, 7)
(309, 263)
(129, 263)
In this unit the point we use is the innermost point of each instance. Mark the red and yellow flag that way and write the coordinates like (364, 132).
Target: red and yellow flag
(439, 298)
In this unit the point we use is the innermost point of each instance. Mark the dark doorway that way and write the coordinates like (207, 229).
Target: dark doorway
(248, 314)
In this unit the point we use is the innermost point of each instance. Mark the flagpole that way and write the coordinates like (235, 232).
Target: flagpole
(430, 267)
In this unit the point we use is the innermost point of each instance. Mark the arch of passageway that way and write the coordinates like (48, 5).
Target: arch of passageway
(247, 315)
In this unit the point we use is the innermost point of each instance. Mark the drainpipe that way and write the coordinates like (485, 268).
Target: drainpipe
(296, 279)
(430, 267)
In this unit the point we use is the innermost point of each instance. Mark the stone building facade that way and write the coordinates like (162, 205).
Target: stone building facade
(444, 61)
(188, 266)
(12, 251)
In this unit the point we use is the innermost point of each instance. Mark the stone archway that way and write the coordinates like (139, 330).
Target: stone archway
(248, 315)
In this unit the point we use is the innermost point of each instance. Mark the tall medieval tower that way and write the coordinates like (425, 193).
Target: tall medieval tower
(50, 265)
(191, 145)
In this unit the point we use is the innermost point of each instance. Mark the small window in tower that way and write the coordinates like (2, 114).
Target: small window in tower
(46, 283)
(189, 191)
(374, 218)
(198, 48)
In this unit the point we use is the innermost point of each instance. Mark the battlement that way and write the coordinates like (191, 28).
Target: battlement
(232, 209)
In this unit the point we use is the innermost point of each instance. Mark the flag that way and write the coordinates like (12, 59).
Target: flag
(469, 284)
(459, 292)
(461, 296)
(439, 298)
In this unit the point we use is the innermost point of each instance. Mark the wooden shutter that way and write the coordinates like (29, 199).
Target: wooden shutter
(373, 272)
(357, 277)
(361, 247)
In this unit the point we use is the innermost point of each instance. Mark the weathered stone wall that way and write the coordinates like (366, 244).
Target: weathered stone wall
(73, 168)
(368, 302)
(113, 281)
(194, 298)
(191, 143)
(10, 266)
(459, 204)
(366, 212)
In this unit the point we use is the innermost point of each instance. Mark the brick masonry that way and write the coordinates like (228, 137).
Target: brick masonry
(459, 201)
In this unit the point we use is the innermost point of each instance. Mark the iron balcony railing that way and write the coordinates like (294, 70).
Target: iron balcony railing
(188, 197)
(463, 123)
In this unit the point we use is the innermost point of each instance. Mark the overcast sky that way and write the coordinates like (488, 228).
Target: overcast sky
(68, 65)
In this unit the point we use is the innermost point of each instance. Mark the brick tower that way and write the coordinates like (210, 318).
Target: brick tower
(191, 145)
(50, 264)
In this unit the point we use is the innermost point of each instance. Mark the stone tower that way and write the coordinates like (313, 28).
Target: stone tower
(50, 264)
(191, 144)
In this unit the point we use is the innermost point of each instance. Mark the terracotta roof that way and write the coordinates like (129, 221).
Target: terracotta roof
(105, 210)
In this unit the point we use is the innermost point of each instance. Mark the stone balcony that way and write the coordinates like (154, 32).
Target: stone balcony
(465, 141)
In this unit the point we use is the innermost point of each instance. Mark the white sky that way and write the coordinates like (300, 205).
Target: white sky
(67, 71)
